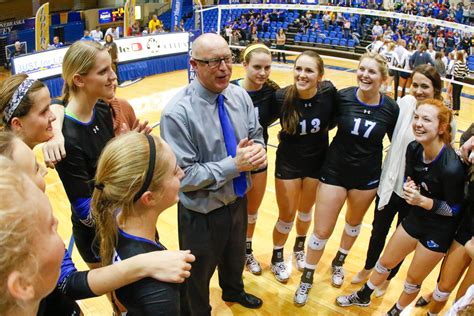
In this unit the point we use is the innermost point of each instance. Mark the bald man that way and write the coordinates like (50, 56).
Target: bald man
(214, 132)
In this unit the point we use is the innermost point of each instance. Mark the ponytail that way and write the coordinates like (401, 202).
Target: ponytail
(290, 112)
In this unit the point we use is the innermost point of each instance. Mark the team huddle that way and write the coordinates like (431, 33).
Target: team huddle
(211, 160)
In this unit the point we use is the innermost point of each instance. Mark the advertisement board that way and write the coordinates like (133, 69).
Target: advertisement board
(142, 47)
(48, 63)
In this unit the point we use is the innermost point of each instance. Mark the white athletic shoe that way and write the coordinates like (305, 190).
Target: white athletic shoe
(337, 276)
(301, 295)
(280, 272)
(361, 276)
(349, 300)
(252, 264)
(300, 259)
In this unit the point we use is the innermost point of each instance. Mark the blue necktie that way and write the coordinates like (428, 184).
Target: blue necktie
(240, 183)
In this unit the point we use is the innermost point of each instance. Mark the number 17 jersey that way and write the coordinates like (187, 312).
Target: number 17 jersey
(356, 150)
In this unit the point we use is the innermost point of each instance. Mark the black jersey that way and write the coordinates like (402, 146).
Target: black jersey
(317, 114)
(265, 105)
(361, 128)
(146, 296)
(441, 180)
(83, 143)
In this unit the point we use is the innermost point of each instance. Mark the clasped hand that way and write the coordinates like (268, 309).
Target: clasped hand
(250, 156)
(411, 192)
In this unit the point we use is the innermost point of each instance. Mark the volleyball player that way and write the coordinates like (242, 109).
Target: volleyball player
(123, 117)
(434, 189)
(88, 126)
(307, 114)
(405, 76)
(392, 62)
(352, 167)
(426, 84)
(25, 109)
(31, 254)
(257, 62)
(137, 179)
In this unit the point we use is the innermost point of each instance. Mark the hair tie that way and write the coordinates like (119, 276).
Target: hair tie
(151, 168)
(17, 97)
(254, 47)
(99, 186)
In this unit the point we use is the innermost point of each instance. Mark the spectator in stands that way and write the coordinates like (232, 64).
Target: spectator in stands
(112, 49)
(56, 43)
(19, 50)
(346, 28)
(431, 50)
(154, 24)
(440, 66)
(440, 41)
(460, 72)
(449, 41)
(134, 30)
(466, 43)
(280, 44)
(253, 35)
(457, 39)
(86, 36)
(420, 57)
(266, 23)
(472, 45)
(377, 30)
(114, 32)
(465, 14)
(97, 34)
(326, 20)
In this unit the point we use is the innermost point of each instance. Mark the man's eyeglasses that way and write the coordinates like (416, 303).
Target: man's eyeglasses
(216, 62)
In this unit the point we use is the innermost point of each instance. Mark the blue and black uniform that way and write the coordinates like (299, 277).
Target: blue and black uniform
(84, 143)
(264, 102)
(302, 154)
(443, 181)
(354, 158)
(146, 296)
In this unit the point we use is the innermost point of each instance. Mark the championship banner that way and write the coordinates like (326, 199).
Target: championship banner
(129, 18)
(42, 28)
(176, 9)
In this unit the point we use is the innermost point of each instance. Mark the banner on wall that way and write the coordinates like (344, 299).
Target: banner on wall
(176, 10)
(129, 18)
(192, 36)
(42, 28)
(48, 63)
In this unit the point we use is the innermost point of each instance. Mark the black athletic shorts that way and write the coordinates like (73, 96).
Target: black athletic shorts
(434, 233)
(391, 72)
(348, 180)
(86, 242)
(287, 169)
(405, 75)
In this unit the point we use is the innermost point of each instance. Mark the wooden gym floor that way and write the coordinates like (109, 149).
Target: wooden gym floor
(148, 97)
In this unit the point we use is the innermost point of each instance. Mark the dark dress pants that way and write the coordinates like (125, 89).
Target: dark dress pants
(381, 225)
(217, 239)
